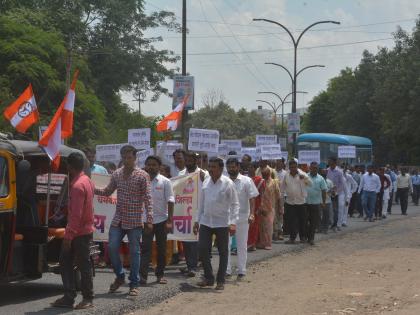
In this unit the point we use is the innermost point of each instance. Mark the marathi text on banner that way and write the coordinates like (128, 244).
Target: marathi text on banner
(187, 191)
(205, 140)
(309, 156)
(347, 151)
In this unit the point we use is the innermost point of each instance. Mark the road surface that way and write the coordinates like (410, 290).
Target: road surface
(379, 240)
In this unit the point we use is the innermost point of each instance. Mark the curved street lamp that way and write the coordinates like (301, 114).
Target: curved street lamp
(295, 46)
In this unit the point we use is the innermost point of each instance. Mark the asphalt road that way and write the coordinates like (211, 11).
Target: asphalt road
(35, 297)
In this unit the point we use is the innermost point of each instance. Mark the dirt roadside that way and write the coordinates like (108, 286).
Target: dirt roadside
(375, 271)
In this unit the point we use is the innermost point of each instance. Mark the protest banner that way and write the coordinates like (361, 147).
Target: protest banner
(142, 156)
(109, 152)
(104, 209)
(293, 122)
(270, 152)
(347, 151)
(222, 150)
(309, 156)
(186, 190)
(285, 155)
(233, 145)
(265, 139)
(205, 140)
(183, 86)
(252, 152)
(139, 138)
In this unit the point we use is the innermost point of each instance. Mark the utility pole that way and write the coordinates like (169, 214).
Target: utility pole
(184, 68)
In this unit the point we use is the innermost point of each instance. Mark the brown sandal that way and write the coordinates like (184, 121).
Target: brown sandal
(133, 292)
(162, 280)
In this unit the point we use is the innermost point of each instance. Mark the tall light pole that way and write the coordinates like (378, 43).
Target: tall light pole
(295, 46)
(288, 71)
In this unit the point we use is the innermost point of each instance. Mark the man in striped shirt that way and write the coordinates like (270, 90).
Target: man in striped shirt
(133, 195)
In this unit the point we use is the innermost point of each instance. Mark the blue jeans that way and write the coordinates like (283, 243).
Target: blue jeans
(369, 202)
(116, 235)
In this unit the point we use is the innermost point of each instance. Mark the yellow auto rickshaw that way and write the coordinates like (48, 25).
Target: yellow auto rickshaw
(33, 202)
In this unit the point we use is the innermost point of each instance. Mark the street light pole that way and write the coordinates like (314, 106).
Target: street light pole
(295, 46)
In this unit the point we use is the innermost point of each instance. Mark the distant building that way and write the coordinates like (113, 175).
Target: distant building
(266, 114)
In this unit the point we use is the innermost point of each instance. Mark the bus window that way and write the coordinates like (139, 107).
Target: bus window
(4, 178)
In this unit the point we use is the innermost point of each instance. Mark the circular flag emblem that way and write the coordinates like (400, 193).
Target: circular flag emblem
(25, 109)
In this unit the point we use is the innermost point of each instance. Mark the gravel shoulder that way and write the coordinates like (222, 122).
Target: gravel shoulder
(369, 271)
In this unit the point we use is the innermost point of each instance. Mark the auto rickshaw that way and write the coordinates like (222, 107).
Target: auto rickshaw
(33, 210)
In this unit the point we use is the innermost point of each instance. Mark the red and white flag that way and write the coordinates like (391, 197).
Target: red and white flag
(68, 109)
(23, 112)
(61, 126)
(51, 138)
(171, 121)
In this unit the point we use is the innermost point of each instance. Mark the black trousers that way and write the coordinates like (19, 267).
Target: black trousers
(312, 215)
(78, 255)
(379, 204)
(391, 198)
(204, 246)
(325, 218)
(403, 196)
(353, 204)
(191, 255)
(146, 250)
(416, 194)
(297, 220)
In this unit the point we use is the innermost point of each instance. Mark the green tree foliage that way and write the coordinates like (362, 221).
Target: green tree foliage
(104, 39)
(231, 125)
(378, 99)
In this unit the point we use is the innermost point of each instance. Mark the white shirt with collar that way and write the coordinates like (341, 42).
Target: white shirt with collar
(185, 172)
(219, 203)
(246, 190)
(281, 174)
(370, 183)
(162, 193)
(295, 188)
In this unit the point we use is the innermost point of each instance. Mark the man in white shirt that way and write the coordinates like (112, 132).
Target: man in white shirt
(218, 214)
(352, 186)
(179, 162)
(163, 209)
(404, 188)
(294, 186)
(247, 192)
(370, 186)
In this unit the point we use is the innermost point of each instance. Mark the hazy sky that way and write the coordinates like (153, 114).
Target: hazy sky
(227, 50)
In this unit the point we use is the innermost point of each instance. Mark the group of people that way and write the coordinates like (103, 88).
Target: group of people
(242, 202)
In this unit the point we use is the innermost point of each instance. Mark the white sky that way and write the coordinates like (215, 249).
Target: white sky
(226, 26)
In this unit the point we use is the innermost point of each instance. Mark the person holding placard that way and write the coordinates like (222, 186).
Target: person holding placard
(133, 198)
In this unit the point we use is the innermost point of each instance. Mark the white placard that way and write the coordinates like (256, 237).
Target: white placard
(109, 152)
(139, 138)
(265, 139)
(271, 152)
(252, 152)
(165, 151)
(233, 145)
(142, 156)
(347, 151)
(285, 155)
(283, 142)
(206, 140)
(293, 122)
(309, 156)
(223, 150)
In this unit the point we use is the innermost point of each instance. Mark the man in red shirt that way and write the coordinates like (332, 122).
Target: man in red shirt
(75, 249)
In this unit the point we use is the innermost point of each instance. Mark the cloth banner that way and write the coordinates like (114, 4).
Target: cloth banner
(186, 190)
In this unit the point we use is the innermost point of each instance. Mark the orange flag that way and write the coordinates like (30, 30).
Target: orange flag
(68, 109)
(23, 112)
(171, 121)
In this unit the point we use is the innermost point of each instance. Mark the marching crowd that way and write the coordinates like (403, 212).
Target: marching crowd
(244, 205)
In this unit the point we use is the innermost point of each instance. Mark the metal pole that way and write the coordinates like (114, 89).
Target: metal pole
(184, 68)
(47, 211)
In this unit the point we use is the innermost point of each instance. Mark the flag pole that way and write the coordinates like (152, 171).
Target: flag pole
(47, 211)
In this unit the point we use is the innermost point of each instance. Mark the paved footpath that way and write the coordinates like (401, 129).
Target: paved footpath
(35, 297)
